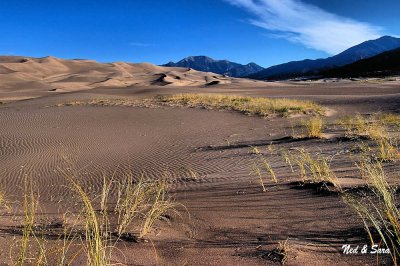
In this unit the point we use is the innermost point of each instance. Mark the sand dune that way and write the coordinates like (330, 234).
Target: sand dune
(39, 76)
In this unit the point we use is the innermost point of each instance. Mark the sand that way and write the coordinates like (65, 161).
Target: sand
(227, 219)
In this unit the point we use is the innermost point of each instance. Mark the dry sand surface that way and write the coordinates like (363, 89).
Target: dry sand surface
(227, 219)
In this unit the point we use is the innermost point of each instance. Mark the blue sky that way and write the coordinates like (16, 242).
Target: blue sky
(267, 32)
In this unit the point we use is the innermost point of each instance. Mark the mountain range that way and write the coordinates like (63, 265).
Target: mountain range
(384, 64)
(313, 67)
(292, 69)
(223, 67)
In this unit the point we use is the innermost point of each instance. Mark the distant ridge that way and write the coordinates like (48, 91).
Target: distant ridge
(384, 64)
(313, 67)
(223, 67)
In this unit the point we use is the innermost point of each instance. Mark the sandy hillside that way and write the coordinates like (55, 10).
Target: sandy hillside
(25, 77)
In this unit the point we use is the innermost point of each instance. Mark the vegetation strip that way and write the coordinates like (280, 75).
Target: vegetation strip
(249, 105)
(264, 107)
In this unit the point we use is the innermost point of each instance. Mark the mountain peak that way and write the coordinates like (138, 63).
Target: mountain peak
(386, 37)
(198, 57)
(223, 67)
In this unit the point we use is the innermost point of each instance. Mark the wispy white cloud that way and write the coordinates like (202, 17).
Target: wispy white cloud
(140, 44)
(307, 24)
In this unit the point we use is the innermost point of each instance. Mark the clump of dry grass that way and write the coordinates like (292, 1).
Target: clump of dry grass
(282, 251)
(255, 150)
(257, 171)
(130, 201)
(34, 248)
(380, 210)
(313, 127)
(249, 105)
(159, 205)
(97, 228)
(354, 125)
(388, 119)
(375, 128)
(278, 255)
(189, 173)
(270, 171)
(30, 206)
(4, 203)
(67, 239)
(377, 131)
(288, 159)
(265, 165)
(315, 168)
(387, 151)
(142, 200)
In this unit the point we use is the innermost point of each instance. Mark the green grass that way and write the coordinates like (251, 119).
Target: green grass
(249, 105)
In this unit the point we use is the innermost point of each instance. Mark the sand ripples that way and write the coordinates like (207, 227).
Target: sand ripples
(102, 140)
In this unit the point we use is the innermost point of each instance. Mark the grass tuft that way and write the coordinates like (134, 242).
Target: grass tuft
(31, 204)
(4, 203)
(97, 228)
(159, 205)
(388, 119)
(375, 128)
(257, 171)
(315, 168)
(268, 168)
(144, 200)
(314, 127)
(286, 156)
(265, 164)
